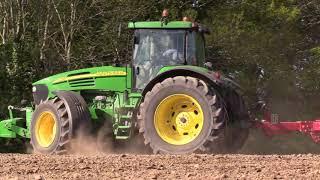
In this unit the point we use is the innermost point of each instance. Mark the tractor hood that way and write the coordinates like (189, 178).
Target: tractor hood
(95, 72)
(106, 77)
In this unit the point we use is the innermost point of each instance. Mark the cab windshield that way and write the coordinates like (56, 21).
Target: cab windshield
(156, 48)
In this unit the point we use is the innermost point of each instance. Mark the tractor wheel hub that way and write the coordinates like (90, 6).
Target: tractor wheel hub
(178, 119)
(45, 130)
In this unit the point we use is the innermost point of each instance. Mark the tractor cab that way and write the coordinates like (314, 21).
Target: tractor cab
(161, 43)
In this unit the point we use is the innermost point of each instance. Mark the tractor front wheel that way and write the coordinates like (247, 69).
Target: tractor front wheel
(55, 122)
(50, 129)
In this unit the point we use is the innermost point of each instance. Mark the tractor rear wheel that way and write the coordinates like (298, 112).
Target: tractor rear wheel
(231, 139)
(235, 137)
(55, 122)
(236, 130)
(179, 115)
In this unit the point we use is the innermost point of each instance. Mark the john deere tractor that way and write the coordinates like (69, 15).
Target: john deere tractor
(168, 94)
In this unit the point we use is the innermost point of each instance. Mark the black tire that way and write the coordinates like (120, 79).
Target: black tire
(235, 137)
(63, 131)
(230, 140)
(190, 86)
(236, 130)
(71, 115)
(83, 122)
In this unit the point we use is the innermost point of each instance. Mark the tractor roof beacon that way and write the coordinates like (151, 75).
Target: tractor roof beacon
(166, 94)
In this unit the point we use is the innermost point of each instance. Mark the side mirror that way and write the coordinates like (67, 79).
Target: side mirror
(208, 65)
(136, 40)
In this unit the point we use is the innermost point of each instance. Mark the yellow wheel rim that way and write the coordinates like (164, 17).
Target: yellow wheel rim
(178, 119)
(45, 129)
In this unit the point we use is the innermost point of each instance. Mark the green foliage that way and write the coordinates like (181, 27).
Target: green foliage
(315, 53)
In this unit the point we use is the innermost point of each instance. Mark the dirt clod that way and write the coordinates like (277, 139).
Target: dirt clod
(38, 177)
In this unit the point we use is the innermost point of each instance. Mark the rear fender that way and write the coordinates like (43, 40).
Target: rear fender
(207, 77)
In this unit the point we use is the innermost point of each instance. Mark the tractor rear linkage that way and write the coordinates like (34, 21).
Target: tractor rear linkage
(271, 126)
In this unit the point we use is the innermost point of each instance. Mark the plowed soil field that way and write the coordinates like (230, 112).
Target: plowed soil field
(125, 166)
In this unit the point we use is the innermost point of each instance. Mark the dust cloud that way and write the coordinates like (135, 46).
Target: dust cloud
(103, 142)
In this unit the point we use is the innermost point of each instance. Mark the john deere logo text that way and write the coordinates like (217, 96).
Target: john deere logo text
(95, 75)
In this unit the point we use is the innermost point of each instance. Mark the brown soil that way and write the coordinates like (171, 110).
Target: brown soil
(103, 166)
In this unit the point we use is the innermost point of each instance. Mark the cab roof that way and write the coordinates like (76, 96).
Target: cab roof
(160, 25)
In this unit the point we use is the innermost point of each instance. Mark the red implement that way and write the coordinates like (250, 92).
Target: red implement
(272, 126)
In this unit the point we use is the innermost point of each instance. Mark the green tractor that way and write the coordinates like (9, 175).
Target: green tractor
(167, 95)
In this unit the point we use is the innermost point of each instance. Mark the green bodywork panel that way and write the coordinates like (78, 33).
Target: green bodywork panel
(159, 24)
(5, 128)
(106, 78)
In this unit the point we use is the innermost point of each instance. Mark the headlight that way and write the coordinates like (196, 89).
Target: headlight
(40, 93)
(34, 89)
